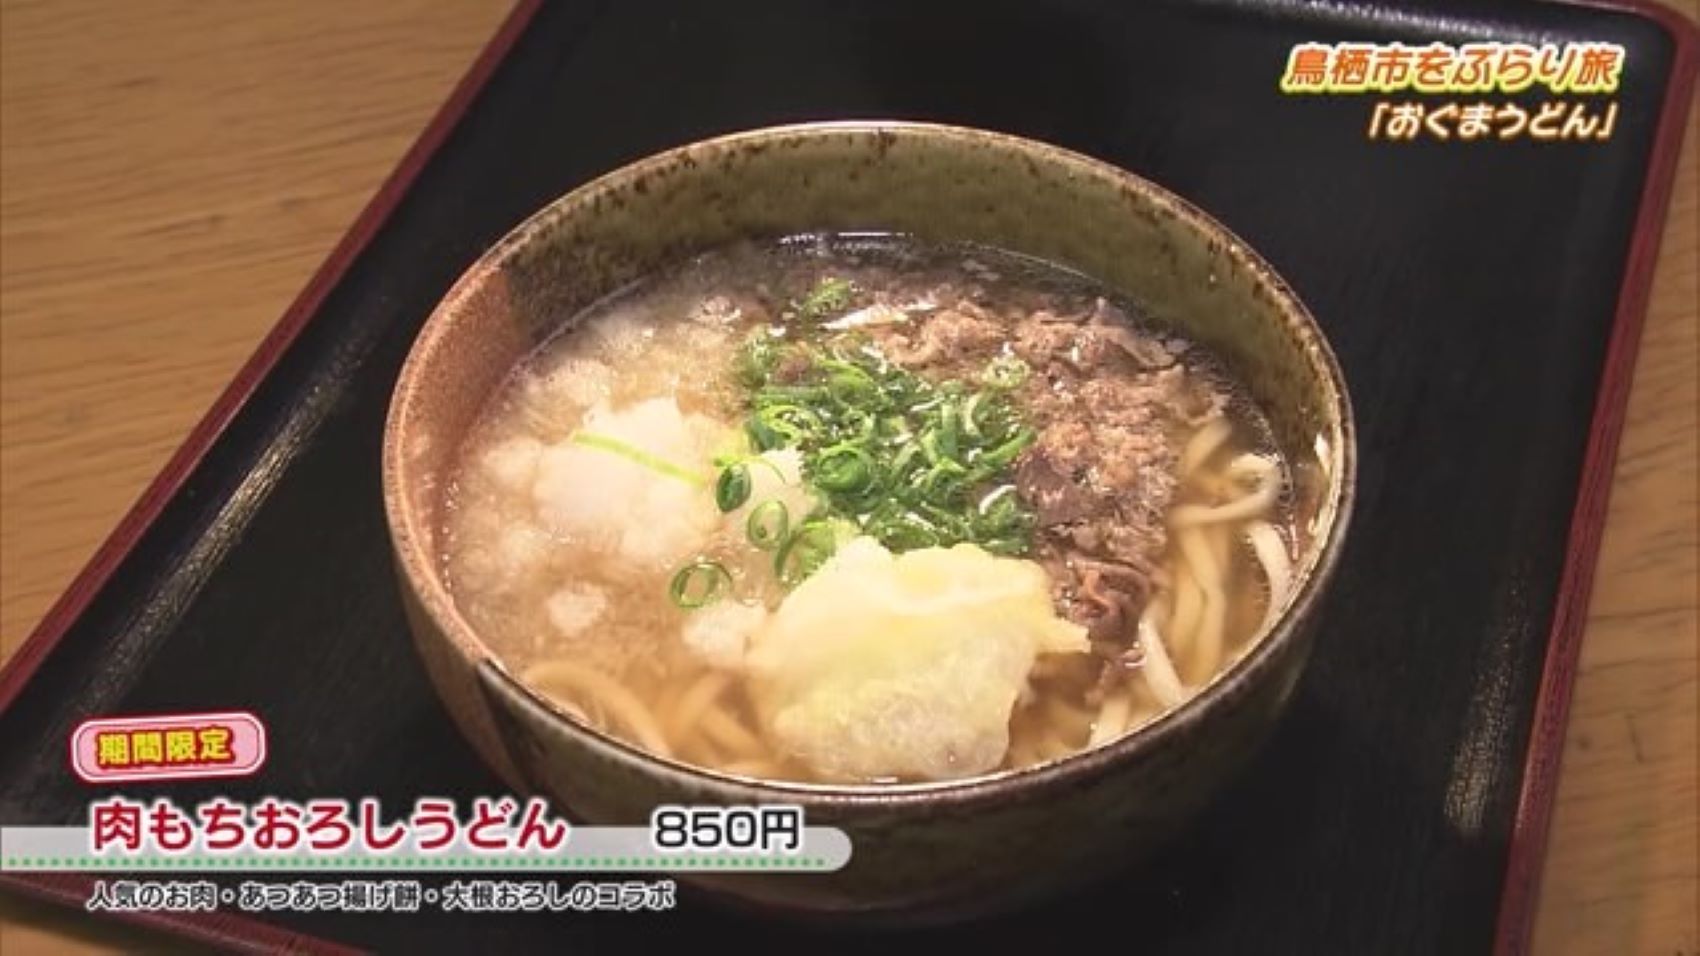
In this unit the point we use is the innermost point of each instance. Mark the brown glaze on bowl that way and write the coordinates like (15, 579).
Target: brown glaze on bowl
(926, 851)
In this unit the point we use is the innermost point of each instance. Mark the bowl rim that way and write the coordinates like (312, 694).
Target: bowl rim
(1311, 576)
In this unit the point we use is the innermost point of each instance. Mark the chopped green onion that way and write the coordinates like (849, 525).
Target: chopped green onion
(866, 426)
(698, 584)
(762, 435)
(727, 461)
(1005, 453)
(789, 422)
(906, 532)
(845, 468)
(793, 394)
(905, 456)
(849, 384)
(971, 426)
(1008, 547)
(930, 446)
(637, 456)
(733, 488)
(906, 460)
(813, 543)
(768, 525)
(756, 361)
(949, 432)
(1006, 372)
(829, 295)
(941, 472)
(996, 497)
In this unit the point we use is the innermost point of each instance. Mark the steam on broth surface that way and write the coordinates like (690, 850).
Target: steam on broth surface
(858, 509)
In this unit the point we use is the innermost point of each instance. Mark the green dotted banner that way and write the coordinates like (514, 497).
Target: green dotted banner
(588, 849)
(412, 863)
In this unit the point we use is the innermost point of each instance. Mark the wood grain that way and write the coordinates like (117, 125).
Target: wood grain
(1622, 873)
(171, 173)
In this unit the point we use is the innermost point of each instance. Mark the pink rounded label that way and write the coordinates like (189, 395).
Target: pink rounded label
(168, 747)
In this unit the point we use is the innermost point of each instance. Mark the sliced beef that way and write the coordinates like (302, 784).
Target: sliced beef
(1112, 595)
(1111, 400)
(1101, 474)
(1111, 326)
(1089, 341)
(952, 336)
(1043, 338)
(1056, 498)
(1134, 461)
(1067, 444)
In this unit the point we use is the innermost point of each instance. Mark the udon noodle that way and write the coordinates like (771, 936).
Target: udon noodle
(868, 510)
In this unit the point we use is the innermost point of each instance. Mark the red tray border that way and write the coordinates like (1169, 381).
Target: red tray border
(1521, 887)
(1552, 706)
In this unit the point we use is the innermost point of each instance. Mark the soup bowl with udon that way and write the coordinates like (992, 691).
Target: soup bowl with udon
(971, 494)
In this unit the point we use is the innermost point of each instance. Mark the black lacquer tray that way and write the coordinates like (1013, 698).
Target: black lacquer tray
(1484, 298)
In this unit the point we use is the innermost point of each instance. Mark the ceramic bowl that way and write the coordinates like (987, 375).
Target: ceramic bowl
(938, 851)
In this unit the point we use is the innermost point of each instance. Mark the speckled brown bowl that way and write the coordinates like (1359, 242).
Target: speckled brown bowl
(938, 851)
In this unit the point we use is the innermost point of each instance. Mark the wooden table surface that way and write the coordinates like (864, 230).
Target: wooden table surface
(171, 172)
